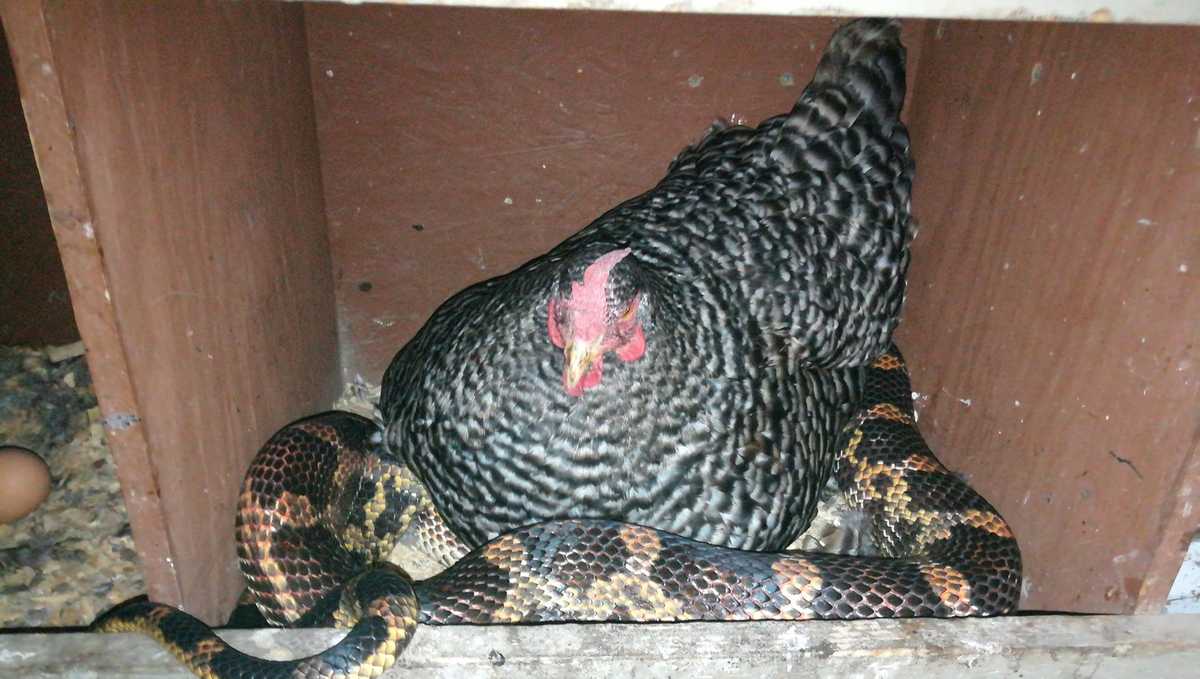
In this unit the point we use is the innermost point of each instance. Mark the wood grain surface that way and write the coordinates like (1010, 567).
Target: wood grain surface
(180, 164)
(1098, 647)
(1053, 316)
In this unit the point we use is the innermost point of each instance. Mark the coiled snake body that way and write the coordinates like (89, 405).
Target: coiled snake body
(323, 503)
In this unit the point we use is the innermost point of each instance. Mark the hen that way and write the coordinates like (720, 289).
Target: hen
(687, 360)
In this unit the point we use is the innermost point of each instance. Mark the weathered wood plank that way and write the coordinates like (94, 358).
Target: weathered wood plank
(1126, 11)
(179, 156)
(1038, 646)
(1053, 297)
(54, 136)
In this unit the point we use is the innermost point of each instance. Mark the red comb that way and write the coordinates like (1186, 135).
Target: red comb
(588, 298)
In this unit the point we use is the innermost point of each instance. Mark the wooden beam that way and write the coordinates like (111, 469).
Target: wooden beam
(1054, 292)
(71, 214)
(179, 156)
(1035, 646)
(1124, 11)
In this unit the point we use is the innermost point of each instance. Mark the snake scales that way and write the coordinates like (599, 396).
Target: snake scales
(322, 504)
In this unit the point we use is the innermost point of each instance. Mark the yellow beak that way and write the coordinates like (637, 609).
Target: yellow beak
(580, 356)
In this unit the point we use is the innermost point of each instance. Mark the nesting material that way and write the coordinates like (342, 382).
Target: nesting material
(73, 557)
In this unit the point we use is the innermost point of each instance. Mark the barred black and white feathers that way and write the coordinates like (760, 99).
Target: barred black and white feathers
(686, 361)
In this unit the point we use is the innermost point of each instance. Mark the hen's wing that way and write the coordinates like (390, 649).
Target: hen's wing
(805, 220)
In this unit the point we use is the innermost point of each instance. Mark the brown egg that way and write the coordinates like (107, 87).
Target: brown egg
(24, 483)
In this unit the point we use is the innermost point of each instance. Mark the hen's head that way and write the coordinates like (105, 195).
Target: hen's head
(594, 316)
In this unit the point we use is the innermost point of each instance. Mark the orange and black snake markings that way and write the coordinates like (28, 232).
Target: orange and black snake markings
(919, 508)
(380, 601)
(322, 503)
(593, 571)
(181, 634)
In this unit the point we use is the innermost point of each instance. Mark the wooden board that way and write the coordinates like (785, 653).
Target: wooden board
(1105, 647)
(35, 307)
(459, 143)
(1053, 307)
(1122, 11)
(178, 152)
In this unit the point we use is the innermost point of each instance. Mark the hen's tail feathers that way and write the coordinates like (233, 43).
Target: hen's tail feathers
(860, 74)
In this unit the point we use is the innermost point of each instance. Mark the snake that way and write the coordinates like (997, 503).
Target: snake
(323, 503)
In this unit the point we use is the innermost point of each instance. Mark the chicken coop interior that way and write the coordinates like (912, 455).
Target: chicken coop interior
(256, 204)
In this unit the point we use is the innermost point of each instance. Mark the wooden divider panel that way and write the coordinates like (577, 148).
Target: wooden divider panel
(180, 165)
(1053, 317)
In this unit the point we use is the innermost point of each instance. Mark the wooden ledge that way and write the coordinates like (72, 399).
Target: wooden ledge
(1110, 11)
(1032, 646)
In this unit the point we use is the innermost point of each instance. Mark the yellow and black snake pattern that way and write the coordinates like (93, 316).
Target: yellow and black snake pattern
(321, 506)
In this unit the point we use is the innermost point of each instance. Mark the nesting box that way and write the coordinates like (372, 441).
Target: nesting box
(256, 203)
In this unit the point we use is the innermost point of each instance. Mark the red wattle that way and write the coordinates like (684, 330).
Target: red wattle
(635, 348)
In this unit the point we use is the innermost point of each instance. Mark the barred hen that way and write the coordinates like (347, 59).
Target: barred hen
(687, 360)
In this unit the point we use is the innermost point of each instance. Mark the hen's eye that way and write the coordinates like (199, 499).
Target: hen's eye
(630, 311)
